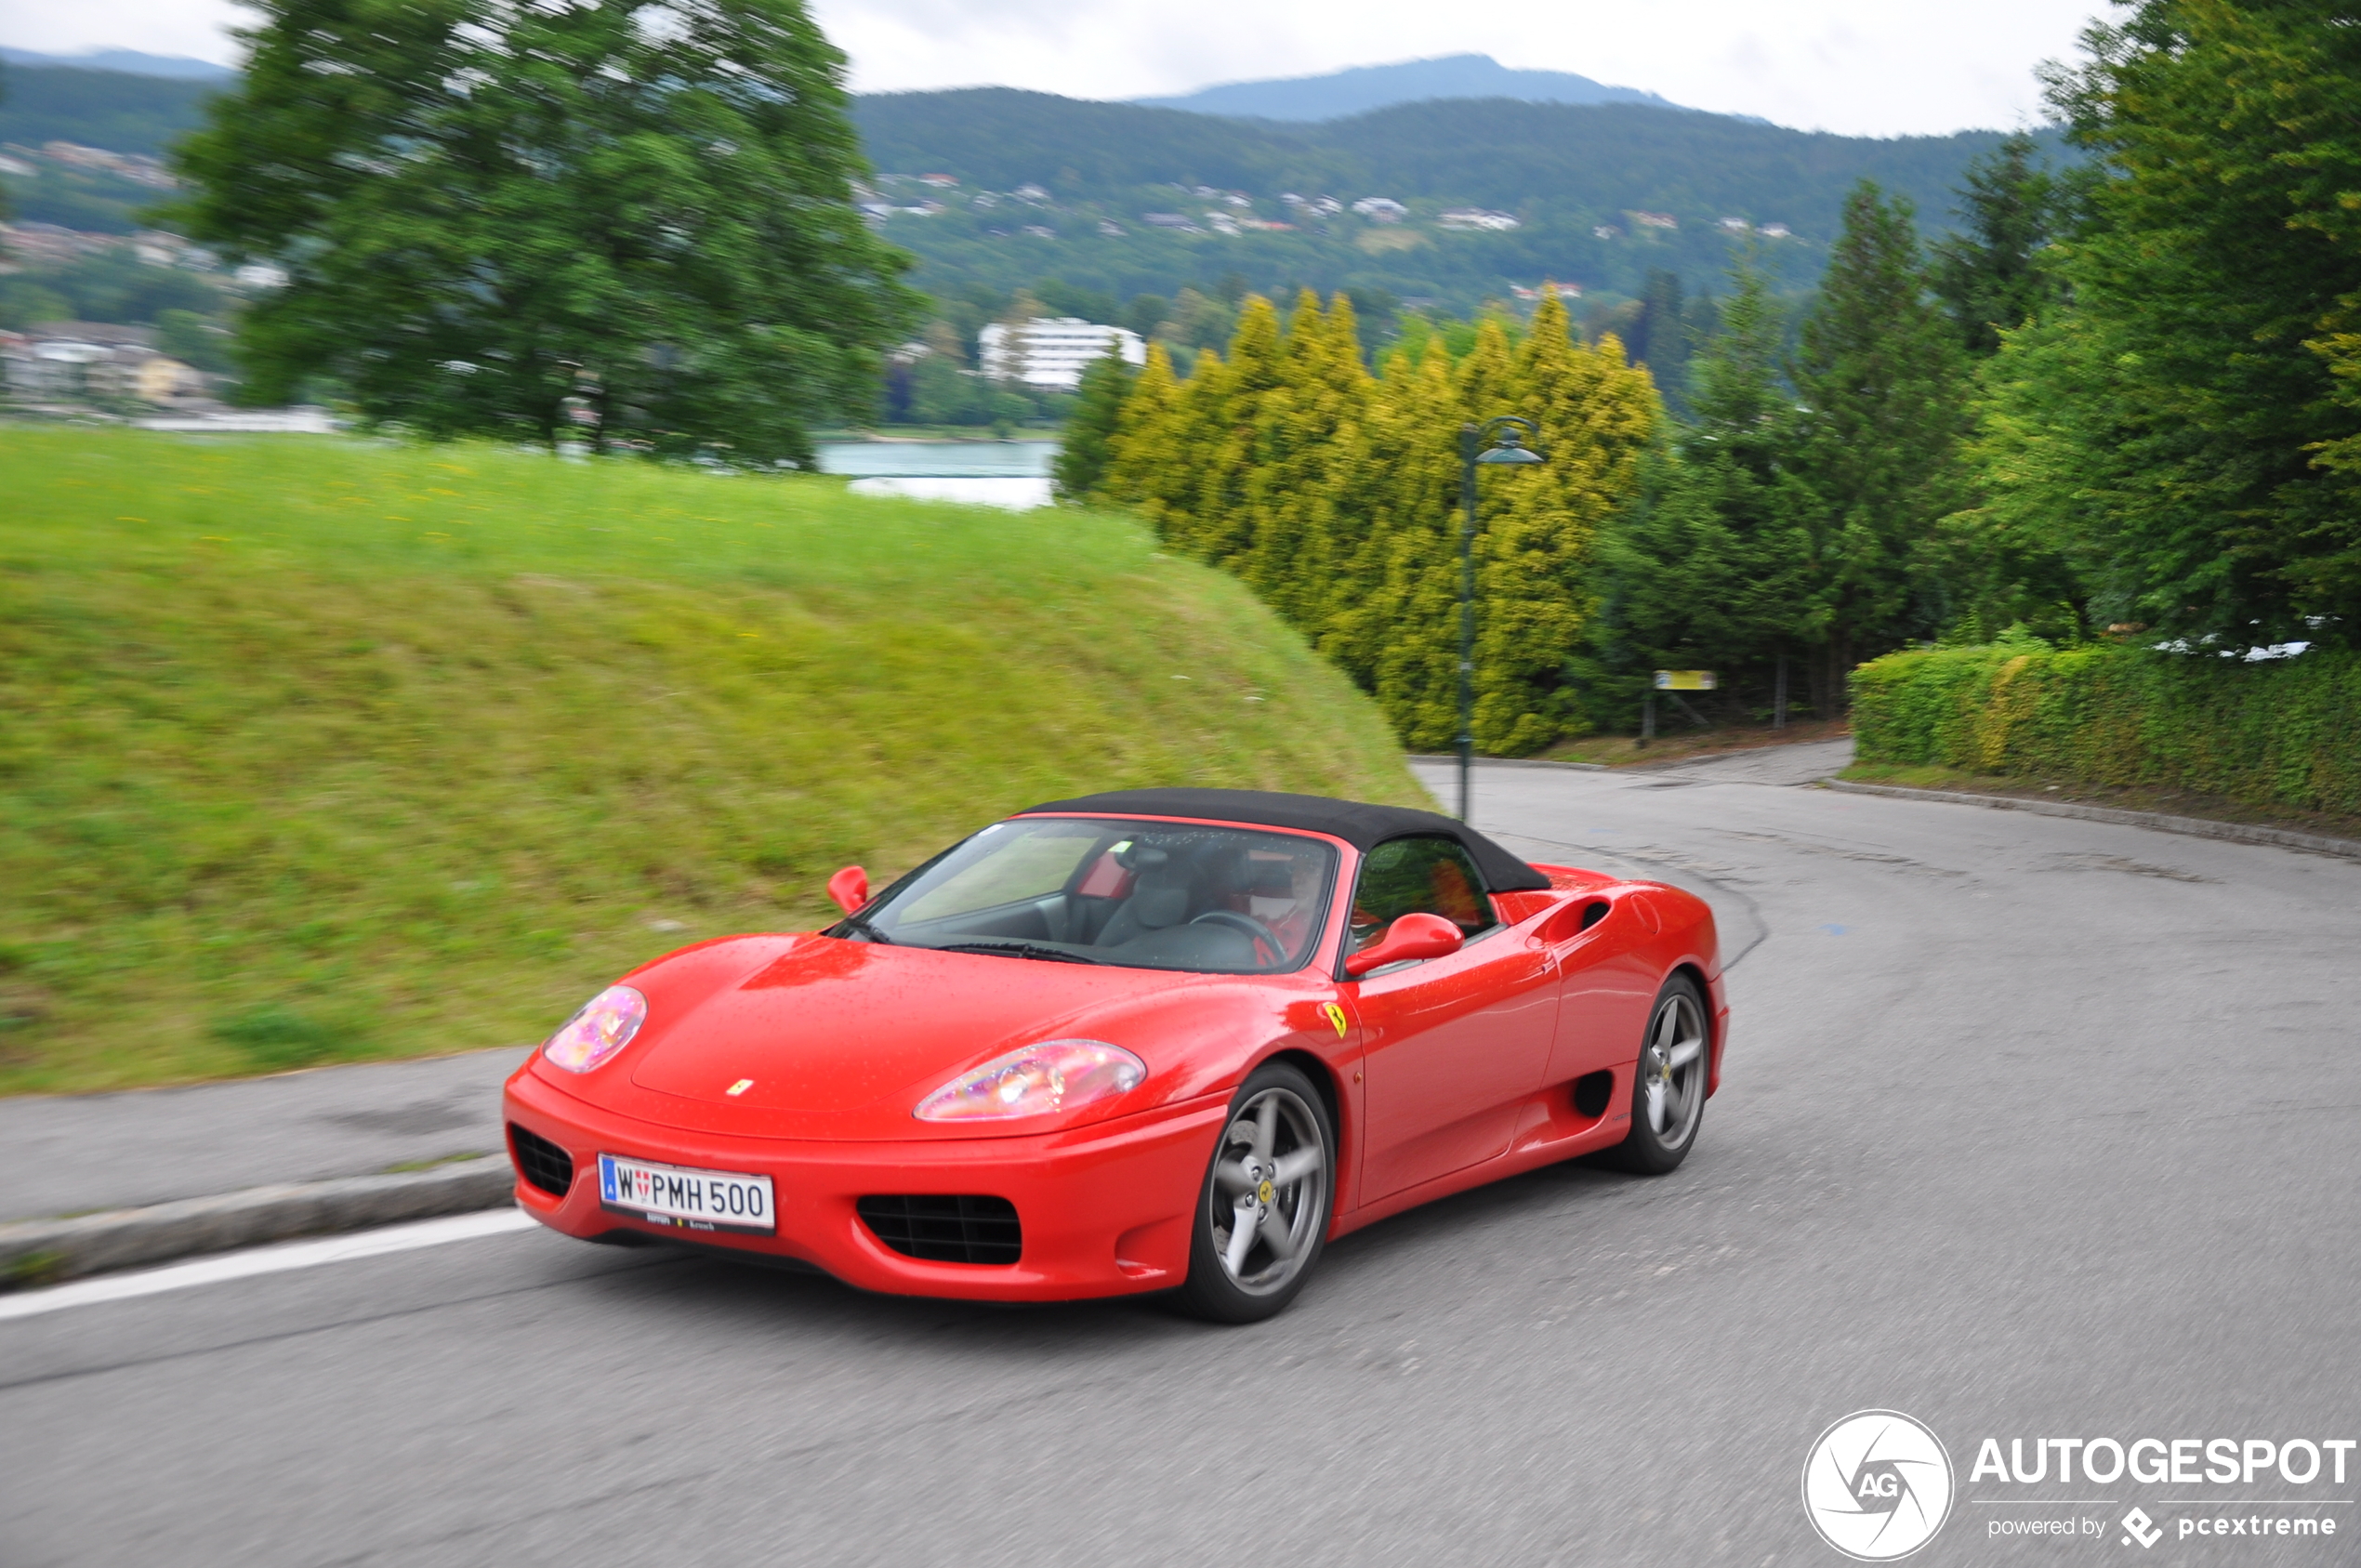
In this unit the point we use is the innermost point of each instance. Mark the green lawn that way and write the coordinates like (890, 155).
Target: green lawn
(316, 750)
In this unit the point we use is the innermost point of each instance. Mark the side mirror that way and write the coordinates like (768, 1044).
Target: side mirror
(1413, 936)
(850, 887)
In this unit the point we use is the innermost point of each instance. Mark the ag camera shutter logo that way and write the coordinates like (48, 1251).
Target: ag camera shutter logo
(1877, 1486)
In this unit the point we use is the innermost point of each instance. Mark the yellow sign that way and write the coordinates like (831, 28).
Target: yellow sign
(1684, 681)
(1336, 1016)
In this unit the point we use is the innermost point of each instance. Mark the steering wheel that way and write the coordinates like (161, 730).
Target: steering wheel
(1253, 927)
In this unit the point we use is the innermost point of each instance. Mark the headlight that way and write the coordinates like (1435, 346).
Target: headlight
(604, 1027)
(1037, 1081)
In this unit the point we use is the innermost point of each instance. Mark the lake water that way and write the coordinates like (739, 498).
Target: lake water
(1014, 474)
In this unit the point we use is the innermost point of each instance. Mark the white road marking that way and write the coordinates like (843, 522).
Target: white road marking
(266, 1260)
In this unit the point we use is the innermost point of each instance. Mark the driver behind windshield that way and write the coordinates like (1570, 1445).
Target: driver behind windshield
(1146, 895)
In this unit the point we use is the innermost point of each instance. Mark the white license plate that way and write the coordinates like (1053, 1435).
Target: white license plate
(688, 1200)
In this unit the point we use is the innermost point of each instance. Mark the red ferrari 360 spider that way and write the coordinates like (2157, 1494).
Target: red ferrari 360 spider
(1166, 1039)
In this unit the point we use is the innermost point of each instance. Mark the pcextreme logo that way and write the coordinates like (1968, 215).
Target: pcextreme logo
(1877, 1486)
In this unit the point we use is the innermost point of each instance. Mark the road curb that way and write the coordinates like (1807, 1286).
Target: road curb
(2195, 828)
(43, 1251)
(1452, 760)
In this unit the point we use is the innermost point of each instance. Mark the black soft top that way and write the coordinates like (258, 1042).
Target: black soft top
(1362, 827)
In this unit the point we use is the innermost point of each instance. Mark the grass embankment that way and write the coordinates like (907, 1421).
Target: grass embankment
(316, 750)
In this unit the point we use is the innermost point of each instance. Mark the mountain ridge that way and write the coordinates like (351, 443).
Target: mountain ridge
(128, 62)
(1358, 89)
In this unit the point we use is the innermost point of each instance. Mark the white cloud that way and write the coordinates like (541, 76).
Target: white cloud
(1863, 66)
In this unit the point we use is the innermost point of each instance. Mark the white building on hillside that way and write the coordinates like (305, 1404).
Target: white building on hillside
(1053, 351)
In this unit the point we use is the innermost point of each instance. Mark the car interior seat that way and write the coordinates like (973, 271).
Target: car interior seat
(1163, 894)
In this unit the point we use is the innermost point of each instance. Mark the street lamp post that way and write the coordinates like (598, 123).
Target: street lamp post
(1503, 431)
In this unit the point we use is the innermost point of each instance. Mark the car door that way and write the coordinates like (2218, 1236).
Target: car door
(1453, 1044)
(1607, 978)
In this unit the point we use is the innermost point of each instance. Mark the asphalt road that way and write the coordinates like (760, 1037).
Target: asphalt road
(2031, 1127)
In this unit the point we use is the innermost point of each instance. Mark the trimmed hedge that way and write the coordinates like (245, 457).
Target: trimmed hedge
(2284, 731)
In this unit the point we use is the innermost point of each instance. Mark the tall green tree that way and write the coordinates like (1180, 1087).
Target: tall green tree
(1992, 275)
(1712, 567)
(1661, 337)
(635, 217)
(2001, 282)
(2190, 430)
(1536, 572)
(1089, 447)
(1879, 379)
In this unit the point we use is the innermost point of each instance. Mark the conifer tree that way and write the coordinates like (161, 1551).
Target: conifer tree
(1879, 379)
(1992, 275)
(1145, 459)
(1596, 416)
(1089, 447)
(1409, 629)
(1355, 629)
(1196, 426)
(1337, 498)
(1309, 446)
(1231, 479)
(1713, 568)
(1660, 336)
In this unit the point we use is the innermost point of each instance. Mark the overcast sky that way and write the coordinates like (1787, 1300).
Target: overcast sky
(1863, 66)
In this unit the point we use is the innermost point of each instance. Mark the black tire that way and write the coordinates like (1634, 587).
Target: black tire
(1657, 1143)
(1300, 1137)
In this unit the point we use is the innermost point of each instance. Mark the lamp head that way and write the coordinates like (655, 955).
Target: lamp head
(1508, 450)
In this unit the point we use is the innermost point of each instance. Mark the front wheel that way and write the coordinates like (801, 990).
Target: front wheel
(1668, 1090)
(1262, 1217)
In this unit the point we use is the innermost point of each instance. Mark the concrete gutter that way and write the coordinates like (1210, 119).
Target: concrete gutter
(1453, 762)
(43, 1251)
(2195, 828)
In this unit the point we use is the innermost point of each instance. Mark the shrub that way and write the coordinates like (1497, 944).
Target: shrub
(2278, 731)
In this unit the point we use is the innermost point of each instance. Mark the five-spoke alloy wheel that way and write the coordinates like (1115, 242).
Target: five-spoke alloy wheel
(1668, 1087)
(1264, 1216)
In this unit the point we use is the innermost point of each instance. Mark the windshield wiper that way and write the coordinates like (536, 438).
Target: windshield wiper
(1020, 950)
(860, 923)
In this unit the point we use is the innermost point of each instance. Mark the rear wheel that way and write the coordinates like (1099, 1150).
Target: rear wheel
(1668, 1090)
(1262, 1217)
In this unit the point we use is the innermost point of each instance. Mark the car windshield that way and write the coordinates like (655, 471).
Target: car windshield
(1147, 895)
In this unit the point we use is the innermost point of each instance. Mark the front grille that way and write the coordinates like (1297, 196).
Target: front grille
(541, 1162)
(945, 1230)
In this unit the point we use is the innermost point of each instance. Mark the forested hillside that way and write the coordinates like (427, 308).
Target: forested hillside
(1561, 171)
(1573, 178)
(109, 109)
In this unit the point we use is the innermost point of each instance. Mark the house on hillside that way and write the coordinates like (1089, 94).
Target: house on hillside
(1381, 209)
(1053, 351)
(1477, 218)
(77, 362)
(1655, 220)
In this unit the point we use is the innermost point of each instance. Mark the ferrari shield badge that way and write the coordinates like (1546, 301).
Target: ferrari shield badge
(1336, 1016)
